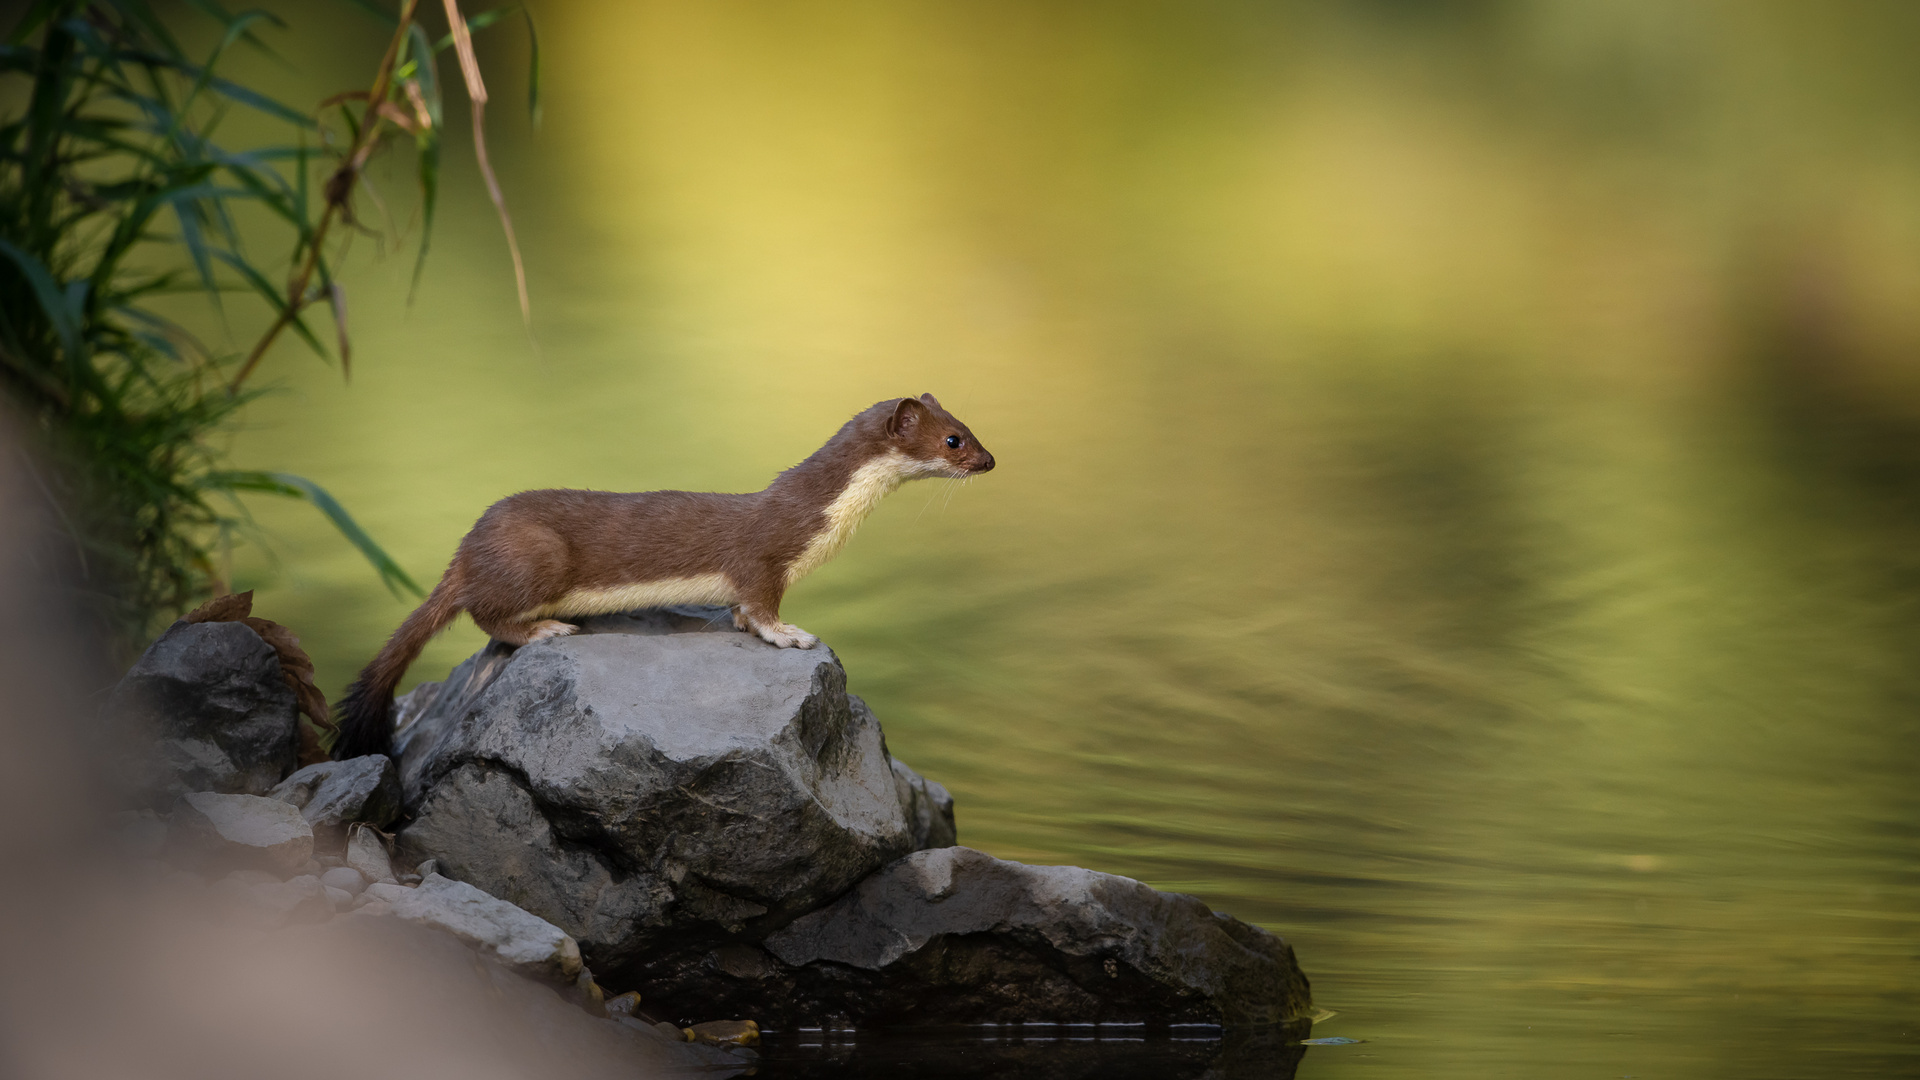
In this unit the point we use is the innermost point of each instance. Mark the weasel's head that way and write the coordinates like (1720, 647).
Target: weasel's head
(934, 439)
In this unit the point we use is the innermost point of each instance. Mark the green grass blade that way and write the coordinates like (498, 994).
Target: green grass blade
(299, 487)
(427, 72)
(272, 295)
(31, 21)
(429, 154)
(53, 300)
(478, 22)
(256, 100)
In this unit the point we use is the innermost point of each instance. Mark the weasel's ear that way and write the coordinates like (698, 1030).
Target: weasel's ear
(928, 399)
(906, 416)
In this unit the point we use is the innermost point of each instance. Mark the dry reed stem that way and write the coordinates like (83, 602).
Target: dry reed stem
(477, 93)
(339, 188)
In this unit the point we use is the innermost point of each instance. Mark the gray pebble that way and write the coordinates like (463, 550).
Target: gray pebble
(345, 878)
(342, 899)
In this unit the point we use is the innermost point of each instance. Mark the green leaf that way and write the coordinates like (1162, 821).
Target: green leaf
(428, 151)
(262, 102)
(265, 288)
(223, 16)
(478, 22)
(31, 21)
(428, 72)
(54, 301)
(299, 487)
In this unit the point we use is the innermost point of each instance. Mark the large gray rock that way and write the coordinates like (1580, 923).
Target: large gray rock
(223, 832)
(964, 937)
(927, 806)
(334, 794)
(654, 784)
(205, 709)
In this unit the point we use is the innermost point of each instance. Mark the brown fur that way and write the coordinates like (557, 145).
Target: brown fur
(533, 549)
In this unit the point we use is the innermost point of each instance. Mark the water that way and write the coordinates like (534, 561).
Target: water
(1458, 489)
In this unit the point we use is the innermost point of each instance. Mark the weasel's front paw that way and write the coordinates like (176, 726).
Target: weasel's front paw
(550, 628)
(788, 636)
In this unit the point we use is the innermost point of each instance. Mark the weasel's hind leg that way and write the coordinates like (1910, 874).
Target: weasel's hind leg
(526, 632)
(757, 619)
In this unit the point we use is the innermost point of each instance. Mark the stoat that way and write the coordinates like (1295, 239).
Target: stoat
(535, 559)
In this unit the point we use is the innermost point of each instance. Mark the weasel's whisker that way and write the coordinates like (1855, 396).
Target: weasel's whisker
(931, 495)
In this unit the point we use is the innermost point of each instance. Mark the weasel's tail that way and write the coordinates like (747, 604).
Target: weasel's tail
(365, 715)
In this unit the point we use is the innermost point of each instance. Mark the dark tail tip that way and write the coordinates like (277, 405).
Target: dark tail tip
(365, 718)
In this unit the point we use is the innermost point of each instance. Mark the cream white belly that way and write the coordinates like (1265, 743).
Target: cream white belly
(700, 589)
(869, 484)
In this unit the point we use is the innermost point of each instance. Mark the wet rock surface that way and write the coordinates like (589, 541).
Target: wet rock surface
(206, 708)
(926, 804)
(958, 937)
(335, 794)
(654, 784)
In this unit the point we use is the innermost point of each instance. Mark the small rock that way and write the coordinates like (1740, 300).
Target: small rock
(410, 879)
(743, 962)
(624, 1004)
(388, 891)
(338, 793)
(524, 942)
(341, 899)
(721, 1032)
(346, 879)
(431, 866)
(367, 853)
(589, 994)
(240, 830)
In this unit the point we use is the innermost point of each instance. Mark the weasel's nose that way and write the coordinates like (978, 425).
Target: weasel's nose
(984, 466)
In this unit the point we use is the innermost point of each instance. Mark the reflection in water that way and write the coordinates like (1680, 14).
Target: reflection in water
(1039, 1052)
(1457, 502)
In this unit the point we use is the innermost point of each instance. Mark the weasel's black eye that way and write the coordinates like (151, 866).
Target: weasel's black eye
(953, 442)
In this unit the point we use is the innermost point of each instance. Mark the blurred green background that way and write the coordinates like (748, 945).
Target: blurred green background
(1459, 479)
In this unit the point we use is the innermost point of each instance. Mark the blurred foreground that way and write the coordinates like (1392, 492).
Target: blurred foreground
(1459, 501)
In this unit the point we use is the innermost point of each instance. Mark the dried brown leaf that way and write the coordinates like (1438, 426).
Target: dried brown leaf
(400, 117)
(234, 607)
(349, 95)
(422, 115)
(296, 667)
(312, 750)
